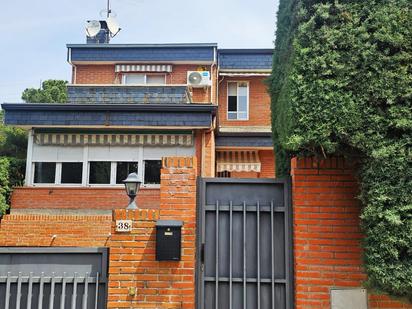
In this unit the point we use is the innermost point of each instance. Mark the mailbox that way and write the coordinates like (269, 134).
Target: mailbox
(168, 240)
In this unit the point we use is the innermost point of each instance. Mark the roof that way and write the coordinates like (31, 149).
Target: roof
(244, 140)
(109, 115)
(245, 59)
(117, 53)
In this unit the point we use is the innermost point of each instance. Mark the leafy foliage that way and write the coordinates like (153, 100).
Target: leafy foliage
(4, 184)
(52, 91)
(13, 145)
(342, 83)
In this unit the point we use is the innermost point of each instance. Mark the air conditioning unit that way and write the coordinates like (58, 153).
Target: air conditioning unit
(198, 78)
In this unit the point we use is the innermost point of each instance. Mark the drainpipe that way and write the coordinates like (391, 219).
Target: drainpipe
(74, 67)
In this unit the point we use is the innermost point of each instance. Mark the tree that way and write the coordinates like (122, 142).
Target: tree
(345, 88)
(52, 91)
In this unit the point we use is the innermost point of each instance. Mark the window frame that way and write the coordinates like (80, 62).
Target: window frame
(237, 82)
(145, 74)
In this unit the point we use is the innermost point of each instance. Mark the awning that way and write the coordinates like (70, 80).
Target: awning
(143, 68)
(237, 161)
(113, 139)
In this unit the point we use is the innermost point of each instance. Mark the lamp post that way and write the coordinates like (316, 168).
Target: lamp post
(132, 185)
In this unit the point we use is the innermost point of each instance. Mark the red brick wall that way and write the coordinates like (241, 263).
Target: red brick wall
(259, 103)
(38, 230)
(132, 258)
(81, 198)
(95, 74)
(327, 235)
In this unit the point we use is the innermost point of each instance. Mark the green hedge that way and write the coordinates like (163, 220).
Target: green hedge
(342, 84)
(4, 184)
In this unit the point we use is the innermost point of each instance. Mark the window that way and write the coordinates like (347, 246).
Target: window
(44, 172)
(124, 169)
(152, 171)
(238, 101)
(144, 79)
(99, 172)
(72, 173)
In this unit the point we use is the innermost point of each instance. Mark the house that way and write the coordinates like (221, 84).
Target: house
(128, 106)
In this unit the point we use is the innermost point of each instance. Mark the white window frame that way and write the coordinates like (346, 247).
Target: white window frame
(237, 103)
(124, 77)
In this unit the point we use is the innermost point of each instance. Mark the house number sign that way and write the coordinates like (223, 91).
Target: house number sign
(124, 225)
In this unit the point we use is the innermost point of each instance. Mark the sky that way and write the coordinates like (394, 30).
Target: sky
(34, 34)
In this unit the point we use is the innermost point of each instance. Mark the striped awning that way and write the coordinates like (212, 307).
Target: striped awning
(237, 161)
(113, 139)
(143, 68)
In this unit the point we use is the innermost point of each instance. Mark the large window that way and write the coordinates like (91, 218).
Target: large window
(98, 165)
(99, 172)
(123, 169)
(72, 172)
(152, 171)
(144, 79)
(238, 101)
(44, 172)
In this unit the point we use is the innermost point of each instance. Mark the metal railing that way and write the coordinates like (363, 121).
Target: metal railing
(51, 291)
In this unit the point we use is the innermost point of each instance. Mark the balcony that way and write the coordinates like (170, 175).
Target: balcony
(128, 94)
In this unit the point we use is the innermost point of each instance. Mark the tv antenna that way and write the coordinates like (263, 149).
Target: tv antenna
(112, 24)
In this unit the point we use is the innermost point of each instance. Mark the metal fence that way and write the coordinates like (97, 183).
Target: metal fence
(47, 278)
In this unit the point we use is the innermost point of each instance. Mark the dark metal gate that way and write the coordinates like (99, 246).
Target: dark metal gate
(245, 246)
(53, 278)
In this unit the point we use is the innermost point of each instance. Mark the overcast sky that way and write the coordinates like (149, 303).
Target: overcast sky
(34, 34)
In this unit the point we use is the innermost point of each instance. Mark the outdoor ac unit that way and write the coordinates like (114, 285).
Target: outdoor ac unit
(198, 78)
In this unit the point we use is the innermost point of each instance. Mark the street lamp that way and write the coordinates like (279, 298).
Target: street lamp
(132, 185)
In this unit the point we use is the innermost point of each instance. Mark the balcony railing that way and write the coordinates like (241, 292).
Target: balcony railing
(128, 94)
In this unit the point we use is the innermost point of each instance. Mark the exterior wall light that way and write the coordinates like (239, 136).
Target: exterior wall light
(132, 185)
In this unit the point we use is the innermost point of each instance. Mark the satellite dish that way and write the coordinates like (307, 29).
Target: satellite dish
(113, 25)
(93, 27)
(195, 78)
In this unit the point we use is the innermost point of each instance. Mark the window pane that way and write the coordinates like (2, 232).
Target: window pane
(72, 172)
(44, 172)
(232, 115)
(155, 79)
(99, 173)
(232, 89)
(152, 171)
(242, 116)
(134, 79)
(124, 169)
(232, 104)
(242, 104)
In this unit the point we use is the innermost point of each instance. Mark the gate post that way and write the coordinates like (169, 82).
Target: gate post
(133, 268)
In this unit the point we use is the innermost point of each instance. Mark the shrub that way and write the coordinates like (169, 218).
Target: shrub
(345, 87)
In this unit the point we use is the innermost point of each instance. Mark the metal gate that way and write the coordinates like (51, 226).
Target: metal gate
(57, 278)
(245, 246)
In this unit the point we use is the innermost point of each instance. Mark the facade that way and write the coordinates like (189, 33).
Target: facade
(131, 105)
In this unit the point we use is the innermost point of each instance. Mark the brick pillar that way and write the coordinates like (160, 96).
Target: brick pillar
(208, 154)
(132, 255)
(327, 234)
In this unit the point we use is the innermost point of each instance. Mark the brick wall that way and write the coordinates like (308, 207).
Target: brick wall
(80, 198)
(259, 103)
(132, 258)
(327, 235)
(95, 74)
(208, 154)
(267, 159)
(38, 231)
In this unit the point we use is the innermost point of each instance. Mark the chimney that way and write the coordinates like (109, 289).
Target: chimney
(102, 37)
